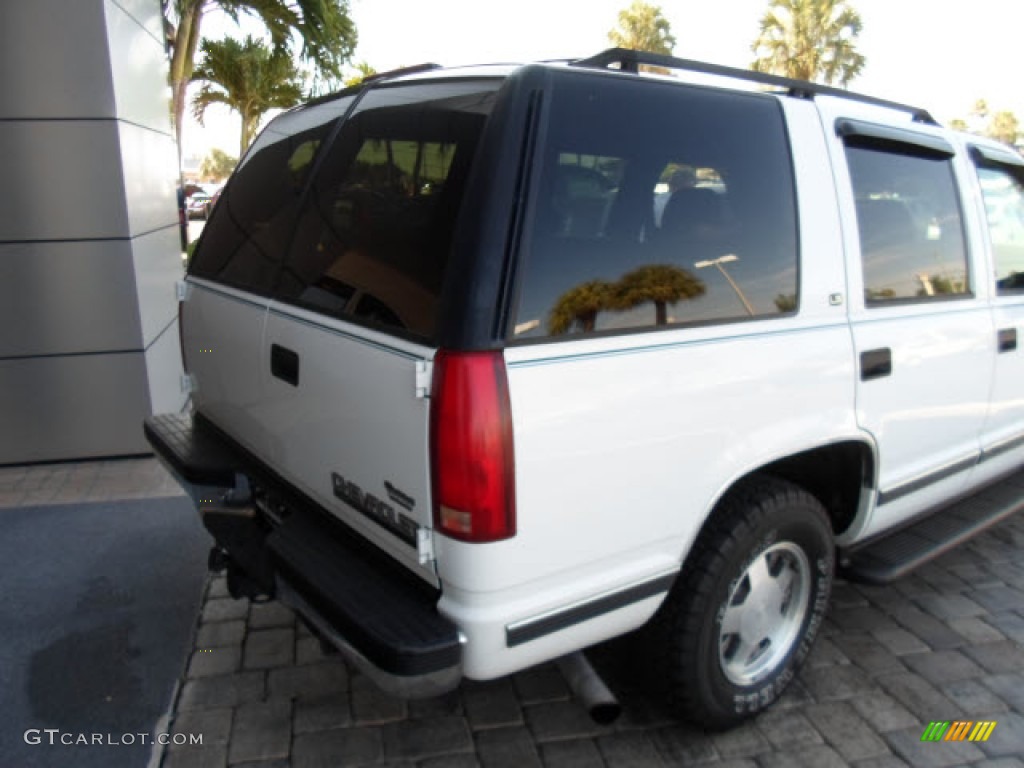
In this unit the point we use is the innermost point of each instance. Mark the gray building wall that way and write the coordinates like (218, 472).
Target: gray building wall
(89, 244)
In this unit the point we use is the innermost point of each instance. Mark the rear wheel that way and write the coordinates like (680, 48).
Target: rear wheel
(748, 604)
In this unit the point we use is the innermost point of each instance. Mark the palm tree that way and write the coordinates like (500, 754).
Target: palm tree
(248, 78)
(642, 27)
(661, 283)
(580, 305)
(363, 70)
(810, 40)
(1004, 127)
(327, 33)
(217, 165)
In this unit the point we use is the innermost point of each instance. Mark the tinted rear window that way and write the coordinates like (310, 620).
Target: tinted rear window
(374, 236)
(246, 238)
(657, 205)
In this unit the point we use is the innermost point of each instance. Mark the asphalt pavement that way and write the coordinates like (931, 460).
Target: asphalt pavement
(98, 604)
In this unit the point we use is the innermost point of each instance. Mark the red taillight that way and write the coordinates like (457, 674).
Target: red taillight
(471, 447)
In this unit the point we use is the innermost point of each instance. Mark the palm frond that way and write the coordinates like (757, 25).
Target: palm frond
(810, 40)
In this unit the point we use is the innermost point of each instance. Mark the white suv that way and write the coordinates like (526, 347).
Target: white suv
(493, 364)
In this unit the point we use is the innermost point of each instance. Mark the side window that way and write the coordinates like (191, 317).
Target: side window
(1003, 191)
(373, 239)
(657, 205)
(908, 216)
(245, 241)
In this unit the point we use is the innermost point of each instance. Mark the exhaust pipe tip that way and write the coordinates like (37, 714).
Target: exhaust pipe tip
(589, 689)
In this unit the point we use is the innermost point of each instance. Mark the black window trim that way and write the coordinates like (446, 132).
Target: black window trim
(893, 139)
(995, 157)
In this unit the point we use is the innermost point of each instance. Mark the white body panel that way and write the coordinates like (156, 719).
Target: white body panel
(223, 335)
(355, 413)
(620, 454)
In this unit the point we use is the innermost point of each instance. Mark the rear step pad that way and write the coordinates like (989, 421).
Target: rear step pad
(196, 454)
(386, 614)
(894, 556)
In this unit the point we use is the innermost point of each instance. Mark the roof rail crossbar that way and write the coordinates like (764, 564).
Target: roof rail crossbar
(374, 78)
(630, 61)
(400, 71)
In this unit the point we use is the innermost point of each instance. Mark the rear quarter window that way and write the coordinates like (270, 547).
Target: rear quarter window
(374, 236)
(247, 236)
(657, 205)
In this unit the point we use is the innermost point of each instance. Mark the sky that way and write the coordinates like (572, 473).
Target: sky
(941, 55)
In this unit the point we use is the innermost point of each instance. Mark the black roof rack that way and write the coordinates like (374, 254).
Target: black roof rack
(630, 61)
(401, 71)
(368, 79)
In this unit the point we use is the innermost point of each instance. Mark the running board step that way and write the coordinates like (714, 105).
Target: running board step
(891, 557)
(389, 616)
(194, 453)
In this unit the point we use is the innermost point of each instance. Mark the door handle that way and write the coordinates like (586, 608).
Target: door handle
(1007, 339)
(284, 364)
(875, 364)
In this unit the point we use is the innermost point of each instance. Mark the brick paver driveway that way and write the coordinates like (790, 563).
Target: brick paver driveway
(946, 643)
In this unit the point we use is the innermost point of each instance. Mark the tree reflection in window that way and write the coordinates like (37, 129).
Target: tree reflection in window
(661, 284)
(576, 310)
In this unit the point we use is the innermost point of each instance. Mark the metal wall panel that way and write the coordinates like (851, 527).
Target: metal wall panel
(73, 297)
(138, 65)
(163, 368)
(72, 407)
(89, 248)
(146, 14)
(54, 60)
(158, 266)
(149, 163)
(63, 181)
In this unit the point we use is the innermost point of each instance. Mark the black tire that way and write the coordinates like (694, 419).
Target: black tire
(768, 541)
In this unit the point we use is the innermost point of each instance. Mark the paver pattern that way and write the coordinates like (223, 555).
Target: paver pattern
(947, 643)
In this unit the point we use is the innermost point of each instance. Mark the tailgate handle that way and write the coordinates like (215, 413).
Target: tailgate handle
(1007, 339)
(284, 364)
(875, 364)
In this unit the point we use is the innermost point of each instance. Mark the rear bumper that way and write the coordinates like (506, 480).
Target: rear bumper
(383, 619)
